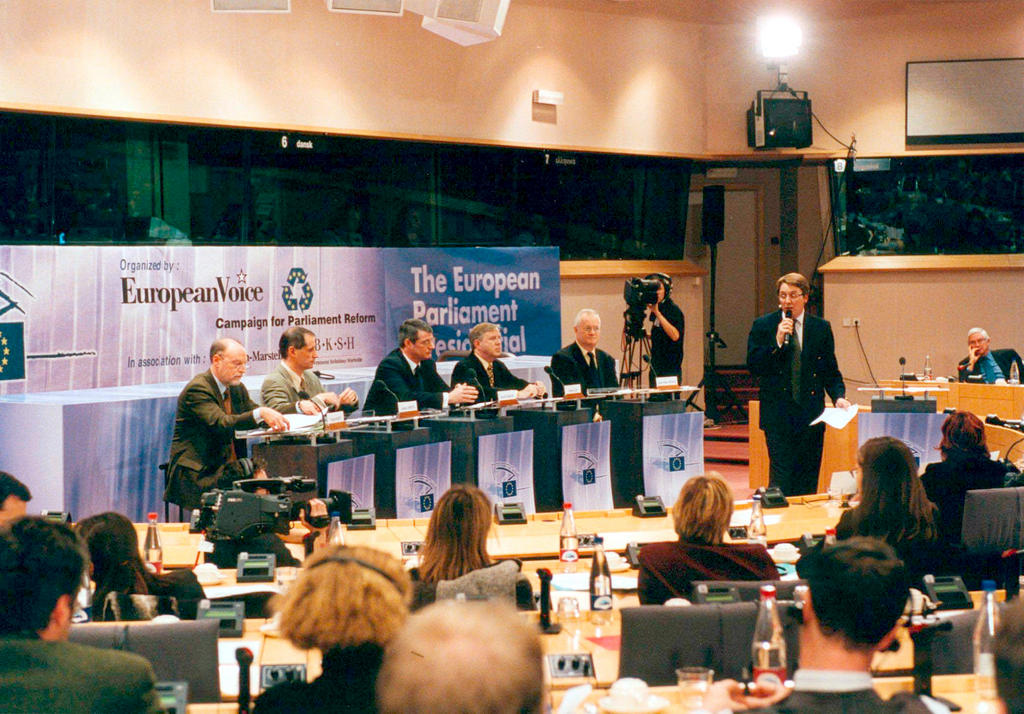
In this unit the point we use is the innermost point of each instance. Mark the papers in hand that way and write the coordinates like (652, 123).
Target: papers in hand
(302, 421)
(835, 417)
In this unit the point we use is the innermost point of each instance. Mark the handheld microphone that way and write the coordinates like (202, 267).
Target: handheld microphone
(544, 575)
(788, 337)
(243, 655)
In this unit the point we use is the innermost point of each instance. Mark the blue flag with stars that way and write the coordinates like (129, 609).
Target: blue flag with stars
(12, 350)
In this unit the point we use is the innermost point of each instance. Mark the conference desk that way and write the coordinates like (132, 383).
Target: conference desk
(538, 537)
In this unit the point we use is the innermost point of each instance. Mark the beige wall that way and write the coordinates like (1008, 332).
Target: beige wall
(925, 312)
(628, 82)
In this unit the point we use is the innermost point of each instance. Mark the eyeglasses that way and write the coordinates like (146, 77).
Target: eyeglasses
(589, 330)
(790, 296)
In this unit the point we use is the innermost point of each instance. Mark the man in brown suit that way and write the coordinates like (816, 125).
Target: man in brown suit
(210, 409)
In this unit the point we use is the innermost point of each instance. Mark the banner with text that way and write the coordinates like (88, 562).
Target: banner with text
(505, 468)
(85, 317)
(586, 466)
(673, 452)
(516, 288)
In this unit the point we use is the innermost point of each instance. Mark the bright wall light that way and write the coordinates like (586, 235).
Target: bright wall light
(778, 36)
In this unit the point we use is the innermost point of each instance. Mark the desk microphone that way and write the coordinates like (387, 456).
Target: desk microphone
(381, 386)
(554, 378)
(650, 364)
(243, 655)
(788, 337)
(544, 575)
(323, 375)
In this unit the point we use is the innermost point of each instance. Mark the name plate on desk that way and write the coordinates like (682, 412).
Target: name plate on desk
(507, 397)
(408, 409)
(573, 391)
(666, 382)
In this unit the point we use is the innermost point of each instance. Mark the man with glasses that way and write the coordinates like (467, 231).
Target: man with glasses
(294, 387)
(979, 361)
(793, 355)
(211, 408)
(409, 374)
(582, 362)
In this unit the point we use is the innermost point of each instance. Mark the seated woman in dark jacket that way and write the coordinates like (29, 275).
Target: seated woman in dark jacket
(454, 556)
(965, 466)
(701, 515)
(119, 572)
(894, 507)
(348, 603)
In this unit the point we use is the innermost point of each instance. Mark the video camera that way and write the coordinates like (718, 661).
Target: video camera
(242, 512)
(638, 294)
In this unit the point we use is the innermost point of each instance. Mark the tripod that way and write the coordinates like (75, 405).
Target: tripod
(711, 382)
(636, 346)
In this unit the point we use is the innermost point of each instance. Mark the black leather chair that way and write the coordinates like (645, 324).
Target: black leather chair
(179, 651)
(1005, 357)
(992, 519)
(657, 639)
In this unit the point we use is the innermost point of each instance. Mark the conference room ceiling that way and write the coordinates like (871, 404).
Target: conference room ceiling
(743, 11)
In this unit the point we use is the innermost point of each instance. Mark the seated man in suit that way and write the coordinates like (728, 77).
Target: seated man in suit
(211, 408)
(582, 362)
(293, 387)
(485, 370)
(41, 568)
(408, 373)
(979, 360)
(858, 589)
(14, 498)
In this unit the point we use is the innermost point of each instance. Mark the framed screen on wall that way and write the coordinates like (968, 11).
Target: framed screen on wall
(965, 102)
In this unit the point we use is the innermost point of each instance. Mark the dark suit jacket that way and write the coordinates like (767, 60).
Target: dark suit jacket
(38, 676)
(570, 367)
(470, 368)
(278, 392)
(204, 436)
(819, 372)
(426, 386)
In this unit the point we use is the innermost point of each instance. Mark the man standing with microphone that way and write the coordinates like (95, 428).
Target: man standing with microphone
(794, 358)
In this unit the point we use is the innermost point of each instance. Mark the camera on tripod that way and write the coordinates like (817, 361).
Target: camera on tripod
(256, 506)
(638, 293)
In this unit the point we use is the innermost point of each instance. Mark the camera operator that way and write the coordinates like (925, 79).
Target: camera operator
(667, 329)
(225, 552)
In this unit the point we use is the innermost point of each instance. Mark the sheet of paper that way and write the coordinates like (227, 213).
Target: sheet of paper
(836, 418)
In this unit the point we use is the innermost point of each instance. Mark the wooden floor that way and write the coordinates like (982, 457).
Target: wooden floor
(727, 452)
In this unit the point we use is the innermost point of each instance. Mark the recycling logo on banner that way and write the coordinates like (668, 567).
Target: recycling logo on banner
(297, 285)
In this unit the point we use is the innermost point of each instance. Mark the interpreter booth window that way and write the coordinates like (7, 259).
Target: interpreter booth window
(26, 206)
(927, 205)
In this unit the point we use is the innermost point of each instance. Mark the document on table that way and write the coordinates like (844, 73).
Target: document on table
(835, 417)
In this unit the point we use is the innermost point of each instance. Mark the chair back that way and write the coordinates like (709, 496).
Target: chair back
(178, 651)
(1005, 357)
(658, 639)
(992, 519)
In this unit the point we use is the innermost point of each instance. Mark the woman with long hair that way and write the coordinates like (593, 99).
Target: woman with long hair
(118, 570)
(454, 557)
(893, 505)
(701, 515)
(965, 466)
(348, 603)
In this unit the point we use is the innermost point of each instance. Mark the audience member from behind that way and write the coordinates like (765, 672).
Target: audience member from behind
(125, 588)
(894, 507)
(463, 658)
(965, 466)
(41, 568)
(857, 591)
(348, 603)
(701, 515)
(454, 560)
(14, 498)
(1010, 659)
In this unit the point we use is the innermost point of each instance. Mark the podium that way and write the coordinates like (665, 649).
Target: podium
(464, 432)
(383, 444)
(627, 418)
(289, 457)
(547, 449)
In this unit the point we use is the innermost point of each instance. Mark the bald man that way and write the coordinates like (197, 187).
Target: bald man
(211, 408)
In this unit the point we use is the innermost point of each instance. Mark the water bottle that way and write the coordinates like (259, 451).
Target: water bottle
(927, 366)
(984, 643)
(600, 586)
(154, 547)
(568, 543)
(1014, 376)
(757, 532)
(769, 646)
(830, 537)
(335, 533)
